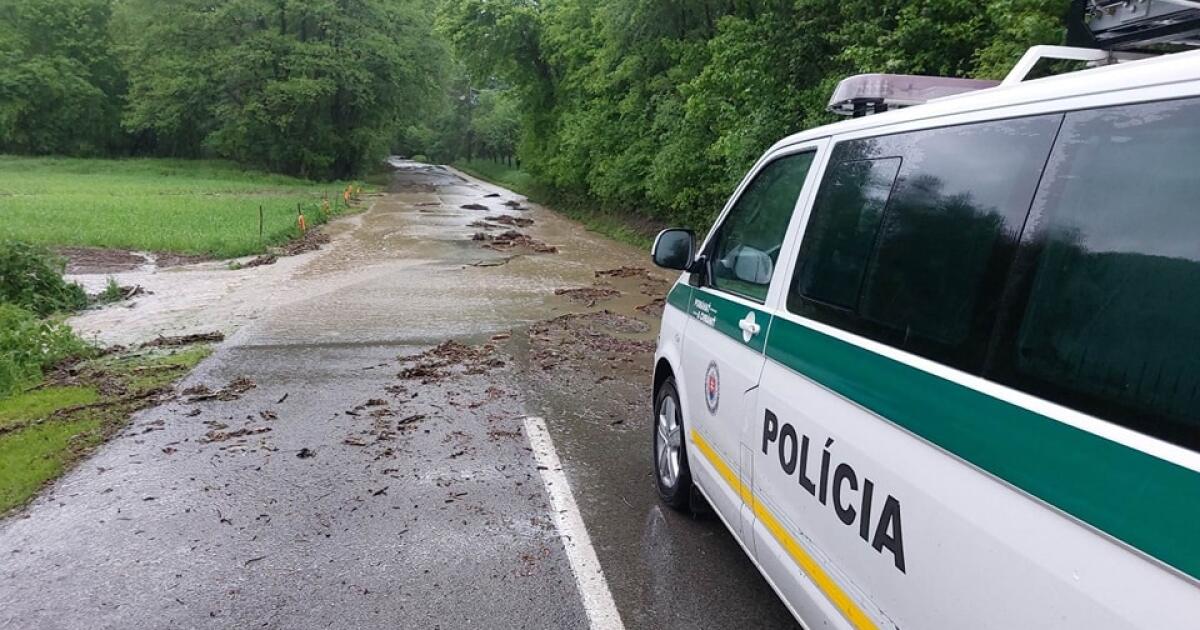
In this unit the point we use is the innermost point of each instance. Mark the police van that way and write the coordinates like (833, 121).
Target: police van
(938, 365)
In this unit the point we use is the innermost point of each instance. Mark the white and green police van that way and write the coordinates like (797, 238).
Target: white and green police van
(939, 367)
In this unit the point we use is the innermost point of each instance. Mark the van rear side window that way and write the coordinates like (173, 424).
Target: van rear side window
(1105, 315)
(922, 268)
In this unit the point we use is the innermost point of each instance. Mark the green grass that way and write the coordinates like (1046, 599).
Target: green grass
(509, 177)
(187, 206)
(623, 227)
(30, 406)
(37, 446)
(31, 457)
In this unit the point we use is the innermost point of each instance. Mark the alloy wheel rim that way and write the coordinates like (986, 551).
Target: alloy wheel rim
(668, 441)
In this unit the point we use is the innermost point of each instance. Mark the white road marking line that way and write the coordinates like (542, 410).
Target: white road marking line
(589, 577)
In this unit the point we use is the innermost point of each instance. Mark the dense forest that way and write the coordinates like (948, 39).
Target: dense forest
(659, 106)
(648, 106)
(317, 88)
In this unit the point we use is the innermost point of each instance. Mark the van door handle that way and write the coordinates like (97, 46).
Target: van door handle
(749, 327)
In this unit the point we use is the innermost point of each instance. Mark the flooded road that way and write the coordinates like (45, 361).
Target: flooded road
(378, 473)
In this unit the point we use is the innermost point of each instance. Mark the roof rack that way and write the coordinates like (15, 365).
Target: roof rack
(1101, 32)
(1093, 57)
(1134, 25)
(867, 94)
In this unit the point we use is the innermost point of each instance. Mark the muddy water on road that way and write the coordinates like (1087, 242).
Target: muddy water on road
(375, 490)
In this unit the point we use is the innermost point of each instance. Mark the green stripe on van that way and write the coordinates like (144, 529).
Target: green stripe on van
(680, 296)
(1146, 502)
(725, 315)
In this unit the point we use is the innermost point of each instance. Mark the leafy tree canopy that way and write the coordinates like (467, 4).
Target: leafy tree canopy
(659, 106)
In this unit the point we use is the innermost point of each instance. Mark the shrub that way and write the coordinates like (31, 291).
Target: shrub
(29, 345)
(31, 277)
(112, 292)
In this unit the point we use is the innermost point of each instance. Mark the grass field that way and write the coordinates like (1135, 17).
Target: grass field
(44, 431)
(617, 226)
(185, 206)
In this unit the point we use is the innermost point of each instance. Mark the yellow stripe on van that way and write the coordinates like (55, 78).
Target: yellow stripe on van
(832, 591)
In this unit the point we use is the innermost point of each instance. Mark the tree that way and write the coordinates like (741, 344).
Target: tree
(61, 86)
(313, 88)
(496, 123)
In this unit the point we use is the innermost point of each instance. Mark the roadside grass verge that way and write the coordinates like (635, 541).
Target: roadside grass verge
(203, 207)
(500, 174)
(46, 430)
(620, 226)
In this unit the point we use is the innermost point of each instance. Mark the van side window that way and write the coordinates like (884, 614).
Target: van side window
(746, 247)
(923, 268)
(1105, 312)
(848, 210)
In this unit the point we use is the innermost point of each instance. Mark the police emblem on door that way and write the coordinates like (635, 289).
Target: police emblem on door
(712, 387)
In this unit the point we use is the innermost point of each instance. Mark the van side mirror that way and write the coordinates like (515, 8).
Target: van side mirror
(674, 249)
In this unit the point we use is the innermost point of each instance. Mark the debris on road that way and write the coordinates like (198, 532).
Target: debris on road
(306, 453)
(655, 308)
(494, 262)
(655, 287)
(475, 206)
(411, 420)
(223, 436)
(197, 390)
(509, 220)
(623, 272)
(232, 391)
(310, 242)
(499, 222)
(261, 261)
(513, 240)
(432, 364)
(588, 295)
(582, 337)
(184, 340)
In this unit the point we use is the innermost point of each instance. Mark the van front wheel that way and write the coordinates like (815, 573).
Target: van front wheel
(670, 456)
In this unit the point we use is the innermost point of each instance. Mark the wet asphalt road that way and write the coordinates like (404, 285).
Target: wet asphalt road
(361, 496)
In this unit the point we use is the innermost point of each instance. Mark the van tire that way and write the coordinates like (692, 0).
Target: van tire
(676, 495)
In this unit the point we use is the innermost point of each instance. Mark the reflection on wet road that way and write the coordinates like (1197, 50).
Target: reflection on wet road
(383, 478)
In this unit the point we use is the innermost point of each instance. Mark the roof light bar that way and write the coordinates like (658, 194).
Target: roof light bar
(867, 94)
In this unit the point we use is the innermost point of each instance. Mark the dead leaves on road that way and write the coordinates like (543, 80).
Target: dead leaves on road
(513, 240)
(448, 358)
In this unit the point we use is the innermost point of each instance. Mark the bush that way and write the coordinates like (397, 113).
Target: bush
(31, 277)
(29, 345)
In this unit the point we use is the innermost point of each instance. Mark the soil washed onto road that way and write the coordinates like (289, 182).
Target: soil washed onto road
(354, 455)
